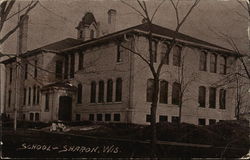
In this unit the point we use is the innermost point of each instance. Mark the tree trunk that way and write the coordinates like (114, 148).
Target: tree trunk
(180, 109)
(153, 117)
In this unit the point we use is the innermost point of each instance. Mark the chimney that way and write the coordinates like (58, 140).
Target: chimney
(112, 20)
(23, 34)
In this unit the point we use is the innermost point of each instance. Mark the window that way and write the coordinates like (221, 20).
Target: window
(46, 102)
(201, 121)
(109, 90)
(92, 34)
(78, 117)
(213, 63)
(223, 65)
(11, 70)
(212, 97)
(9, 100)
(59, 71)
(202, 96)
(91, 117)
(175, 119)
(176, 91)
(80, 34)
(107, 117)
(203, 61)
(37, 117)
(31, 116)
(222, 98)
(93, 92)
(117, 117)
(118, 96)
(164, 92)
(150, 89)
(163, 118)
(80, 64)
(148, 118)
(26, 71)
(38, 95)
(34, 95)
(177, 56)
(154, 51)
(101, 92)
(120, 51)
(66, 67)
(212, 121)
(29, 98)
(99, 117)
(164, 50)
(72, 66)
(24, 96)
(24, 117)
(35, 71)
(79, 93)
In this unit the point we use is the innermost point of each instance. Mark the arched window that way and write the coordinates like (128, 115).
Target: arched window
(29, 98)
(177, 56)
(213, 63)
(164, 49)
(93, 92)
(38, 95)
(118, 95)
(223, 65)
(203, 61)
(202, 96)
(101, 92)
(109, 90)
(34, 94)
(92, 34)
(212, 97)
(31, 116)
(37, 117)
(24, 96)
(150, 88)
(176, 91)
(79, 93)
(164, 92)
(222, 98)
(154, 51)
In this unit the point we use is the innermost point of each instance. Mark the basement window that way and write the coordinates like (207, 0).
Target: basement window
(117, 117)
(202, 121)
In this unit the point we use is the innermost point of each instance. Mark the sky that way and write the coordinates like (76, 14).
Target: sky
(54, 20)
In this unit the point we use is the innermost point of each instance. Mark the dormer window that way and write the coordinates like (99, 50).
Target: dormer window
(92, 34)
(80, 34)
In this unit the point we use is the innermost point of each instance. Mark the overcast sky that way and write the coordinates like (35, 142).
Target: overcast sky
(54, 20)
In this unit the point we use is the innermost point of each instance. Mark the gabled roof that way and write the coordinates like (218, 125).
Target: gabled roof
(71, 43)
(60, 45)
(156, 29)
(52, 47)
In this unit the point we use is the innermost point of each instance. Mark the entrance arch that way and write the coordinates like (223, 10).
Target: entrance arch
(65, 108)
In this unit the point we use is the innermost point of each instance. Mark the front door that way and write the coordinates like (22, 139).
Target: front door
(65, 108)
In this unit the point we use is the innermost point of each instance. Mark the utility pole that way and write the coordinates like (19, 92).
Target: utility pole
(17, 75)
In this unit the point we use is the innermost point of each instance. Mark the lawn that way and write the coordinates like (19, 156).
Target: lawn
(225, 139)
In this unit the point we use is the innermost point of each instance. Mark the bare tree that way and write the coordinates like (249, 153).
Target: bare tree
(156, 70)
(184, 82)
(6, 7)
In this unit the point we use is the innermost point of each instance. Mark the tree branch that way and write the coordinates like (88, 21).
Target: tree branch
(6, 36)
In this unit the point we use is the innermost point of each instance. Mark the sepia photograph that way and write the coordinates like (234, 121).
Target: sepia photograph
(125, 79)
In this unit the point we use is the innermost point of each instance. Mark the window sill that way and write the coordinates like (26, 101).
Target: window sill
(46, 110)
(212, 107)
(119, 63)
(105, 103)
(201, 106)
